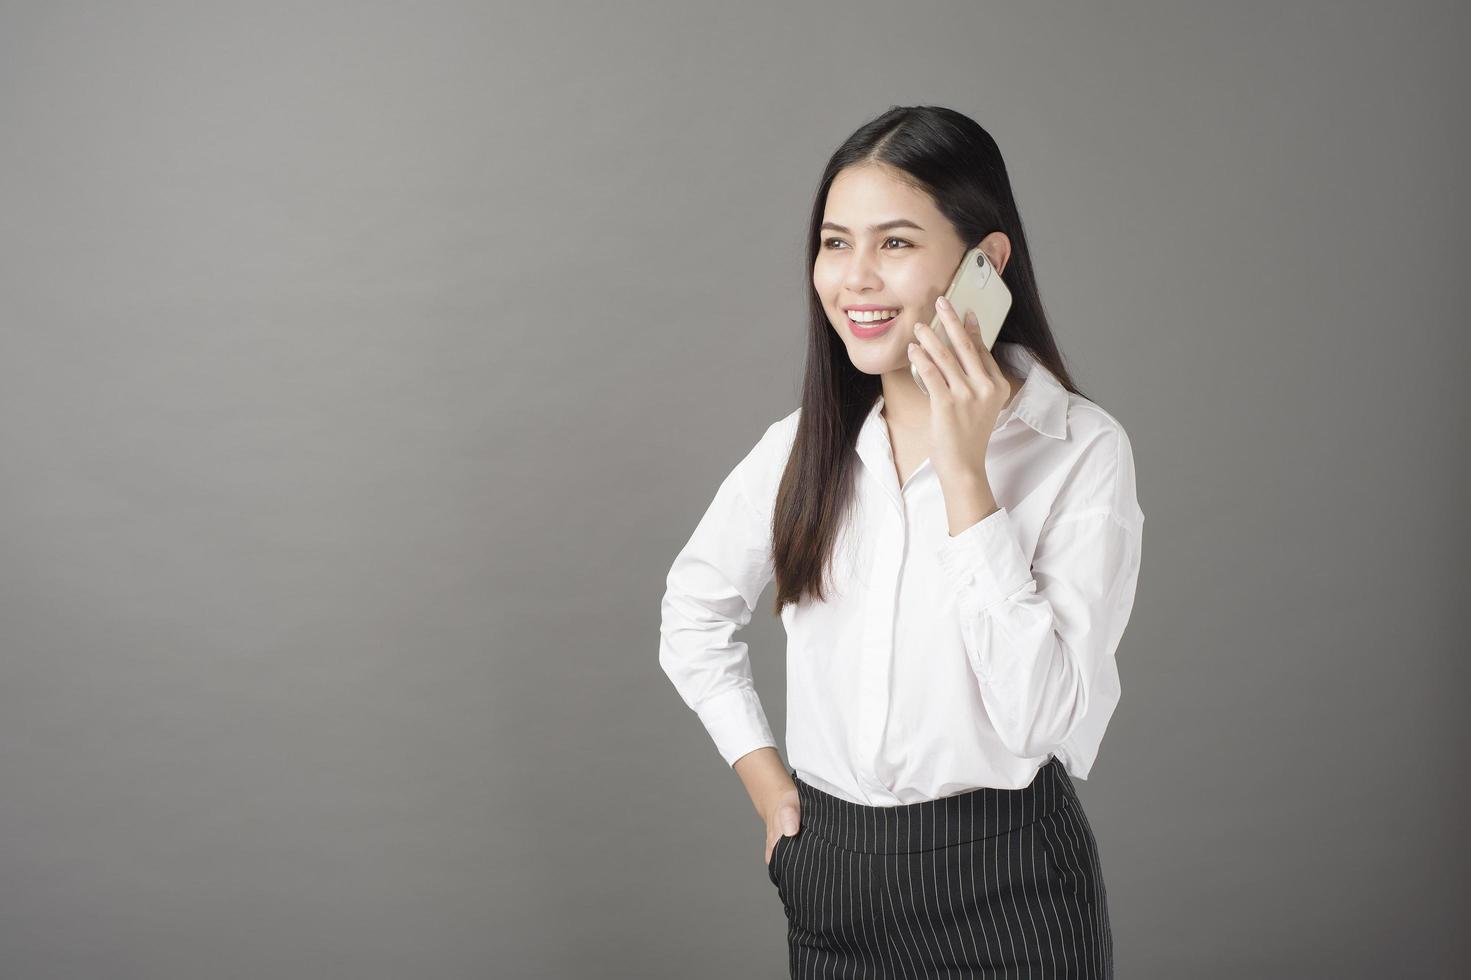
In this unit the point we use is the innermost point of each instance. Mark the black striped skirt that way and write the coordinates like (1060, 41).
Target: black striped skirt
(986, 883)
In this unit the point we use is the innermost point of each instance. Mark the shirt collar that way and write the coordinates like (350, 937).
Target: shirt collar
(1042, 401)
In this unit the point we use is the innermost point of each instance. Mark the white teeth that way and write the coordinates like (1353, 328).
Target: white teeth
(872, 315)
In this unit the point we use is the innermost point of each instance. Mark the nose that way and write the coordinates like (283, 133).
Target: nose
(861, 273)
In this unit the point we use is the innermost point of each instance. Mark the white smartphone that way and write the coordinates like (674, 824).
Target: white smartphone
(976, 287)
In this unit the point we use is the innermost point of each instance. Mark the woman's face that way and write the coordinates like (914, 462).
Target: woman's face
(885, 247)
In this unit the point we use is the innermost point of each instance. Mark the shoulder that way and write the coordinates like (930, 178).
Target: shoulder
(783, 432)
(1091, 426)
(761, 469)
(1100, 462)
(775, 444)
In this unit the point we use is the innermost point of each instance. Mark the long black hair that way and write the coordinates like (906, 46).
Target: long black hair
(955, 161)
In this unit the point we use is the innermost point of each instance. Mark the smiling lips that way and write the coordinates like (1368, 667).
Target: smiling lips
(867, 325)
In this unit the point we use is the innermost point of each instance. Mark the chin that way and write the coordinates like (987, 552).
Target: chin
(874, 365)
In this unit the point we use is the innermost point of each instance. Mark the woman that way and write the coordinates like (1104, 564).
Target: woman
(954, 572)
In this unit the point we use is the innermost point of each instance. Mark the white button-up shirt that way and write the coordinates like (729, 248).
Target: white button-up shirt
(939, 664)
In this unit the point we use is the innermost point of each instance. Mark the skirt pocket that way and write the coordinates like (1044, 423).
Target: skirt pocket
(776, 850)
(1070, 853)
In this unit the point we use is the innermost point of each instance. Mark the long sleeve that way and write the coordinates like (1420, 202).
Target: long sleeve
(1041, 638)
(712, 590)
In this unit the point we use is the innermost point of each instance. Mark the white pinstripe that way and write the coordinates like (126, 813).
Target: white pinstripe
(935, 850)
(926, 919)
(850, 920)
(874, 929)
(903, 907)
(996, 862)
(861, 884)
(1062, 855)
(928, 949)
(834, 930)
(893, 916)
(1076, 818)
(1073, 851)
(805, 955)
(837, 941)
(825, 870)
(1065, 850)
(981, 896)
(975, 953)
(822, 929)
(1021, 833)
(1101, 897)
(1094, 935)
(1047, 877)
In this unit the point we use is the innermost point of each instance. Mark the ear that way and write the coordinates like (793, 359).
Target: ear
(997, 248)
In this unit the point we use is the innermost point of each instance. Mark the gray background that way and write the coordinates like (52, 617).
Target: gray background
(363, 367)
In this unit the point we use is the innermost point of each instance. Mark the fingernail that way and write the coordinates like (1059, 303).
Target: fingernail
(942, 301)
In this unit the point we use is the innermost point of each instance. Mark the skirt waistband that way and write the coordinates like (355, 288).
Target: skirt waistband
(959, 819)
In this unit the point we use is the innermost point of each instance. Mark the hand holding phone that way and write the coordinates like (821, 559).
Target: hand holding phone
(976, 287)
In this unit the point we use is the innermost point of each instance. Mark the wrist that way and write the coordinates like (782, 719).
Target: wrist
(765, 777)
(968, 500)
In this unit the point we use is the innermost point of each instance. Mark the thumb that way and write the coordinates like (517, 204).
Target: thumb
(789, 820)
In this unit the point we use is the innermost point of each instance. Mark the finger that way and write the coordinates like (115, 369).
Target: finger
(949, 319)
(934, 380)
(978, 361)
(956, 332)
(940, 352)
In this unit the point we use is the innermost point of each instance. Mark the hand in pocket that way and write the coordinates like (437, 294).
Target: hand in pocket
(783, 820)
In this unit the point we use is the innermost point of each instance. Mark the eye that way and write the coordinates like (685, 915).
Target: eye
(829, 242)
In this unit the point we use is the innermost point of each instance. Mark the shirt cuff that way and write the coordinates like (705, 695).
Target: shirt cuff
(984, 563)
(736, 722)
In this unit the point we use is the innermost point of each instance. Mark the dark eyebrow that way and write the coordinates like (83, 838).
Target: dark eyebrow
(885, 226)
